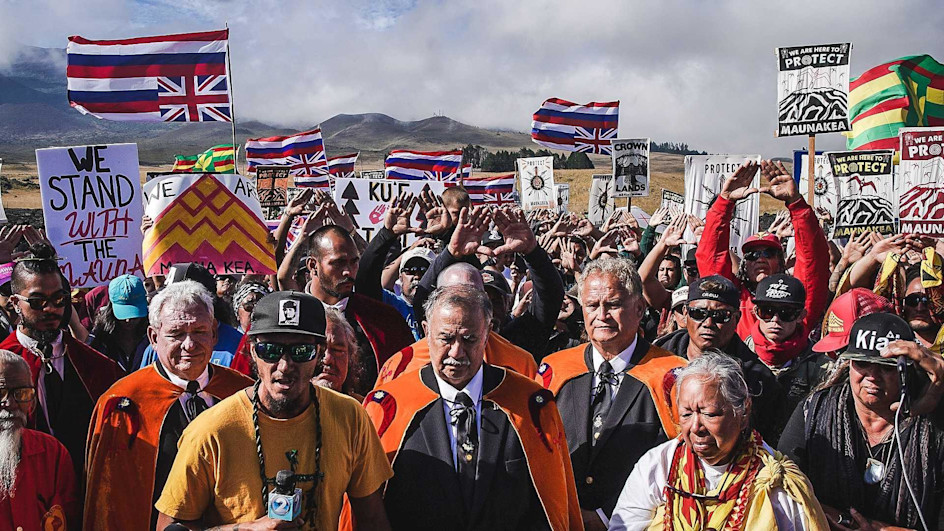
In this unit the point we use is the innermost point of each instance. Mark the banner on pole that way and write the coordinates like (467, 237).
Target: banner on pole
(272, 184)
(212, 219)
(631, 167)
(813, 89)
(536, 175)
(601, 203)
(921, 182)
(367, 200)
(704, 176)
(563, 197)
(93, 209)
(866, 193)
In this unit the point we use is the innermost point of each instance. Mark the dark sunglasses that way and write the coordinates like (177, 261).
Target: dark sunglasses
(415, 271)
(23, 395)
(766, 252)
(273, 352)
(916, 299)
(767, 313)
(38, 302)
(702, 314)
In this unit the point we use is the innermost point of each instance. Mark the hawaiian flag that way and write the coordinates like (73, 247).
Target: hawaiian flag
(342, 167)
(560, 124)
(492, 190)
(303, 152)
(167, 78)
(423, 165)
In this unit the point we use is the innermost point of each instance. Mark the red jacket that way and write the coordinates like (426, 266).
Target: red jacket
(812, 259)
(45, 490)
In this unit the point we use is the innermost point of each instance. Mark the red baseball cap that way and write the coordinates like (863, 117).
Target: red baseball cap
(761, 239)
(843, 312)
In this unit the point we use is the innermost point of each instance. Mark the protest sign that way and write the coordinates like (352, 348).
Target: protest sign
(536, 175)
(563, 197)
(704, 175)
(866, 194)
(671, 199)
(601, 205)
(92, 207)
(367, 200)
(631, 167)
(212, 219)
(921, 182)
(372, 174)
(272, 183)
(813, 89)
(825, 184)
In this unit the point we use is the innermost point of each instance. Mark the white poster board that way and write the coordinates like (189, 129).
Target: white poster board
(563, 197)
(825, 184)
(536, 175)
(600, 205)
(92, 205)
(867, 200)
(366, 201)
(921, 181)
(704, 175)
(813, 89)
(631, 167)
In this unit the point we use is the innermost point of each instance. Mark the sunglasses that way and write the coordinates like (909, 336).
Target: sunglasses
(39, 302)
(273, 352)
(767, 252)
(415, 271)
(916, 299)
(23, 395)
(767, 313)
(702, 314)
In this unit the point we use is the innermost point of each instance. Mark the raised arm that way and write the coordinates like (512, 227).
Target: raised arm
(712, 254)
(656, 295)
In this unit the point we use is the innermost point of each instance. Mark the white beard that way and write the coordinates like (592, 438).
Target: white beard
(10, 439)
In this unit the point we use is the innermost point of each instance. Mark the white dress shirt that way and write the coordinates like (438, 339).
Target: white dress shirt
(203, 380)
(58, 364)
(619, 364)
(449, 393)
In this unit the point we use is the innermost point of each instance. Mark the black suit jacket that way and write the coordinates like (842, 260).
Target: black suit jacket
(424, 492)
(631, 428)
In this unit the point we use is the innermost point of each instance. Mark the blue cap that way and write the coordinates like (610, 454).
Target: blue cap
(128, 297)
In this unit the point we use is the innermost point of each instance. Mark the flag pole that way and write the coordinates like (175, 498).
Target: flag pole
(232, 100)
(810, 184)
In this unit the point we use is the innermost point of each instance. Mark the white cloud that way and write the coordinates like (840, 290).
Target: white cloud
(693, 71)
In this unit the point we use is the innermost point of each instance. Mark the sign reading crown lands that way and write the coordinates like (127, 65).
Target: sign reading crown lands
(921, 181)
(211, 219)
(92, 207)
(813, 89)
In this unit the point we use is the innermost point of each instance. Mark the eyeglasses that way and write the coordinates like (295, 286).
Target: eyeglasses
(786, 313)
(767, 252)
(702, 314)
(39, 302)
(916, 299)
(23, 395)
(273, 352)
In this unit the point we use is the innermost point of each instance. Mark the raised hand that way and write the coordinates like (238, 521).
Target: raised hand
(397, 217)
(857, 247)
(659, 216)
(674, 234)
(513, 226)
(697, 225)
(780, 183)
(467, 238)
(606, 245)
(10, 237)
(299, 204)
(738, 186)
(438, 219)
(584, 228)
(568, 257)
(896, 243)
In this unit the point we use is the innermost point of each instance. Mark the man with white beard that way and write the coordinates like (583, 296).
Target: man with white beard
(37, 482)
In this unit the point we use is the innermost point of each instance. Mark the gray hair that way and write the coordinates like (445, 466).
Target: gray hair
(716, 366)
(12, 359)
(467, 298)
(620, 268)
(181, 293)
(335, 318)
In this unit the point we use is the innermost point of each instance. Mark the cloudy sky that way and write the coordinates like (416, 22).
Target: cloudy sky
(698, 71)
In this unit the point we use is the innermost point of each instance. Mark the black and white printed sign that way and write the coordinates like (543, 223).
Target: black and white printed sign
(813, 89)
(631, 167)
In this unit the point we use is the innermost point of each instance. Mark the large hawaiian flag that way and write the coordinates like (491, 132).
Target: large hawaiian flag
(568, 126)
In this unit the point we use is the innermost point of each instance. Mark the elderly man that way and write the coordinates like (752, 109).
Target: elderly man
(229, 458)
(474, 446)
(68, 376)
(138, 421)
(37, 483)
(612, 391)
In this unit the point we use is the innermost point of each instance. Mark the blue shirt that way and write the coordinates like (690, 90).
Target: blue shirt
(406, 310)
(223, 351)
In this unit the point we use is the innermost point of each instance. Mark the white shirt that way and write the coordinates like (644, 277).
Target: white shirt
(203, 380)
(449, 394)
(58, 364)
(340, 306)
(619, 364)
(644, 492)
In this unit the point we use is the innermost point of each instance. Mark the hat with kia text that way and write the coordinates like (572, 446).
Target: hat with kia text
(290, 312)
(761, 239)
(417, 254)
(128, 297)
(715, 288)
(844, 311)
(494, 280)
(780, 289)
(872, 333)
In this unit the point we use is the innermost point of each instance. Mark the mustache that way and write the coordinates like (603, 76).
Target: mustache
(6, 416)
(456, 363)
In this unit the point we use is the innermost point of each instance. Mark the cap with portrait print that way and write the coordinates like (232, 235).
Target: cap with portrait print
(290, 312)
(872, 333)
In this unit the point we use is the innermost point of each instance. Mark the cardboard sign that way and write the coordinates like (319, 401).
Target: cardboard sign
(212, 219)
(921, 182)
(372, 174)
(366, 201)
(536, 175)
(563, 197)
(92, 207)
(704, 176)
(601, 204)
(866, 193)
(813, 89)
(272, 183)
(631, 167)
(825, 184)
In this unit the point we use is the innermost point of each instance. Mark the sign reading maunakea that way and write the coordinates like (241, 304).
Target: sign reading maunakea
(813, 89)
(631, 167)
(921, 181)
(92, 207)
(866, 194)
(536, 175)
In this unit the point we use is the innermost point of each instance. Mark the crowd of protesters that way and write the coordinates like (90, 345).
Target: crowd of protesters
(488, 368)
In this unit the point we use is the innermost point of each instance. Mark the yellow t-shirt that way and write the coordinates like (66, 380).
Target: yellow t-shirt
(215, 476)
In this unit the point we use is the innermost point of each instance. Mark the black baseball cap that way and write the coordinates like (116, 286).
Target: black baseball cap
(715, 288)
(491, 279)
(873, 332)
(492, 238)
(780, 289)
(192, 271)
(292, 312)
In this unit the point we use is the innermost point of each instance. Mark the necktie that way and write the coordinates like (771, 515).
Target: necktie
(195, 403)
(53, 383)
(602, 398)
(467, 442)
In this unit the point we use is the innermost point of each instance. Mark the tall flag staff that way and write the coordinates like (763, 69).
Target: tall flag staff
(232, 101)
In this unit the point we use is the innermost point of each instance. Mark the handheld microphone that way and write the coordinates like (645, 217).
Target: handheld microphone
(285, 501)
(903, 365)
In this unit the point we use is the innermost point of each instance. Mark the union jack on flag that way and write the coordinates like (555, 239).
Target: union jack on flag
(342, 167)
(193, 98)
(493, 190)
(309, 170)
(568, 126)
(304, 151)
(423, 165)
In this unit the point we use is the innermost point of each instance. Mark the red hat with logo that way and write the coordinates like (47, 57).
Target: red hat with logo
(761, 239)
(843, 312)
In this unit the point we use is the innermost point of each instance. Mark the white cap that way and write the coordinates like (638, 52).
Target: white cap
(680, 296)
(417, 252)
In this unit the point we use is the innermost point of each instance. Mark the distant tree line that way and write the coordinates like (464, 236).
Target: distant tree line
(502, 160)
